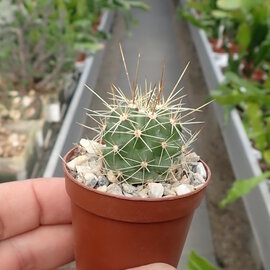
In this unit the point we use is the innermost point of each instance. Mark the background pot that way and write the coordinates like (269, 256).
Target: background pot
(115, 232)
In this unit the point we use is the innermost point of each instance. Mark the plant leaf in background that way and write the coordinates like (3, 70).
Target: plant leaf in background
(256, 129)
(266, 156)
(196, 262)
(229, 4)
(124, 7)
(259, 34)
(204, 24)
(243, 36)
(266, 153)
(139, 4)
(237, 4)
(235, 90)
(242, 187)
(221, 14)
(261, 53)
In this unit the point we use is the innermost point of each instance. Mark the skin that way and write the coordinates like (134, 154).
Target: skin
(35, 226)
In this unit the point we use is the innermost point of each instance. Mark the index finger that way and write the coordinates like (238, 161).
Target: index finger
(25, 205)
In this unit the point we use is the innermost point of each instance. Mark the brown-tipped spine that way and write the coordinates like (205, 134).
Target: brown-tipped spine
(136, 79)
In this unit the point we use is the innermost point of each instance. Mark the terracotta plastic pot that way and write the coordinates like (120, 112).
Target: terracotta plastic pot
(116, 232)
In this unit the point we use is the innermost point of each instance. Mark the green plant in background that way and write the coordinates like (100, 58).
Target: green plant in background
(82, 18)
(80, 22)
(253, 100)
(244, 23)
(196, 262)
(124, 7)
(205, 14)
(30, 55)
(199, 13)
(242, 187)
(252, 32)
(247, 24)
(38, 39)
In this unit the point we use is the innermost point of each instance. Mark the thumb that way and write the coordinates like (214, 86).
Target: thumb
(154, 266)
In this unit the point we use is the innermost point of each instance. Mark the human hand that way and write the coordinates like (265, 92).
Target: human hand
(35, 226)
(154, 266)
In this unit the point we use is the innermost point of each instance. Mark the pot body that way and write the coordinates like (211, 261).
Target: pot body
(116, 232)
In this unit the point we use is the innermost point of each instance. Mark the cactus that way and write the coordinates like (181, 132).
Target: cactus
(143, 136)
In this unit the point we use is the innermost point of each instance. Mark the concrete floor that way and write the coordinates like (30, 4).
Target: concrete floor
(157, 38)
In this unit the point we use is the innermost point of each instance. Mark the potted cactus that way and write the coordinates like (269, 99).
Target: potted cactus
(135, 186)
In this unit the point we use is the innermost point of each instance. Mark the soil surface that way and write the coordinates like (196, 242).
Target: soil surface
(230, 227)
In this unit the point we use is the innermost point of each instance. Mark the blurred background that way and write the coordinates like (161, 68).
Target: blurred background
(50, 49)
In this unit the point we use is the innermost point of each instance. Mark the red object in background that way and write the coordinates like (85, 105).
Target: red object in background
(231, 47)
(259, 75)
(81, 57)
(97, 23)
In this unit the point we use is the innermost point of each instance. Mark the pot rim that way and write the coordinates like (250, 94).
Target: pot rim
(122, 197)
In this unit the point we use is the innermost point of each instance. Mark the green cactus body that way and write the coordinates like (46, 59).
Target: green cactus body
(141, 144)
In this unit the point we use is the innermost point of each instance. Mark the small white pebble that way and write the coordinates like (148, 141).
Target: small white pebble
(98, 168)
(143, 193)
(79, 179)
(184, 180)
(88, 176)
(92, 164)
(76, 161)
(201, 170)
(102, 180)
(183, 189)
(169, 192)
(128, 188)
(90, 179)
(92, 147)
(102, 188)
(175, 184)
(111, 177)
(197, 179)
(127, 194)
(82, 169)
(139, 188)
(114, 189)
(155, 190)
